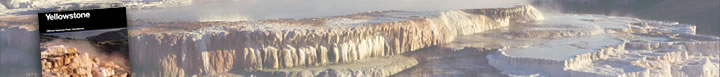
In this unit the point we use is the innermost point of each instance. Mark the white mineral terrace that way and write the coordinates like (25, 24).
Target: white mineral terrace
(284, 43)
(621, 46)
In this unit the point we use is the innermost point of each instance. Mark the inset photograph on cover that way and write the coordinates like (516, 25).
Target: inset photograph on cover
(86, 43)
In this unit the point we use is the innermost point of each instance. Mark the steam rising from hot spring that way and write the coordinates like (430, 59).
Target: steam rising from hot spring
(84, 46)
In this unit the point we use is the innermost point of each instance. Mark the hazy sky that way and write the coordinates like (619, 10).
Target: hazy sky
(270, 9)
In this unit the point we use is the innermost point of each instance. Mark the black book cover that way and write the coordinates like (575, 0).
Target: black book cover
(84, 43)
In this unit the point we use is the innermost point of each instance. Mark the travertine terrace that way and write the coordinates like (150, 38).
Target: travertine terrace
(287, 43)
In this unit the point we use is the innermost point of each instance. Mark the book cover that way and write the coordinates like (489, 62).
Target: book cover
(84, 43)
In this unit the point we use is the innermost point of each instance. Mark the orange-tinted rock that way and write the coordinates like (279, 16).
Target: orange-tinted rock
(58, 61)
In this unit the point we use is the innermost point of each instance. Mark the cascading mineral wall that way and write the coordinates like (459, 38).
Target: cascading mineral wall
(286, 43)
(17, 38)
(704, 48)
(18, 53)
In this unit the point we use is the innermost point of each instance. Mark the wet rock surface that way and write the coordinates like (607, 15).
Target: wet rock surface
(442, 61)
